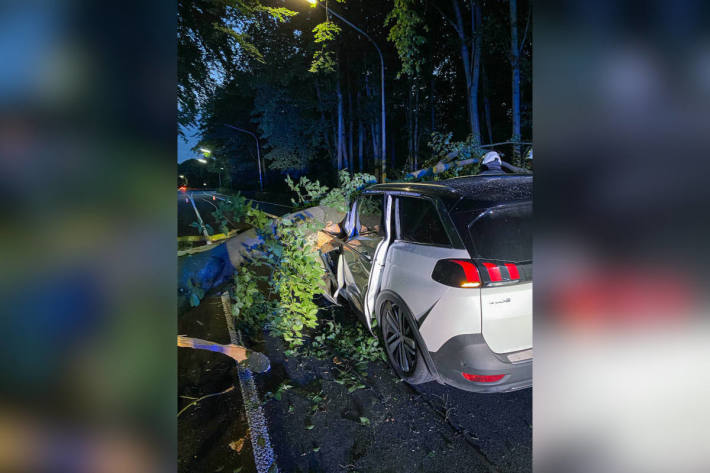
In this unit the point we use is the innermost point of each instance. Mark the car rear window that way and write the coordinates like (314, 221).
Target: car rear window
(503, 233)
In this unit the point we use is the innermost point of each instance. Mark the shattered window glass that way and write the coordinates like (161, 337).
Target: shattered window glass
(371, 214)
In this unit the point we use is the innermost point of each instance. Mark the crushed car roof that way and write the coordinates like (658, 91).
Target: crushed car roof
(486, 189)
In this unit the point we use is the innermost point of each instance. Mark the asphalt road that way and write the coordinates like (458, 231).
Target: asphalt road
(429, 428)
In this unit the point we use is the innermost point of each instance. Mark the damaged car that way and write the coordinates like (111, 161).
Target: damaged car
(442, 273)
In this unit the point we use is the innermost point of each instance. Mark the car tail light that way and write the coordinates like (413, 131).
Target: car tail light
(456, 273)
(480, 378)
(506, 273)
(493, 272)
(512, 270)
(470, 274)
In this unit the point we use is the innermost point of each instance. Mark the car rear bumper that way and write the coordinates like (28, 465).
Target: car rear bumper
(470, 354)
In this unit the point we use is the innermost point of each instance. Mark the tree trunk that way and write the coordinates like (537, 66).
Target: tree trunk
(360, 134)
(410, 128)
(323, 121)
(351, 156)
(486, 105)
(476, 73)
(393, 158)
(340, 131)
(360, 145)
(416, 127)
(515, 63)
(471, 62)
(432, 92)
(375, 148)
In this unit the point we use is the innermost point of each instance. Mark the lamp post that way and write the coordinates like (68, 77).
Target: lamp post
(382, 81)
(207, 153)
(258, 153)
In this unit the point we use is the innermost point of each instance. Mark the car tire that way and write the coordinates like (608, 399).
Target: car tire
(403, 352)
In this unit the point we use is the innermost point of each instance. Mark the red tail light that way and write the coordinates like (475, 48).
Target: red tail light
(507, 272)
(479, 378)
(456, 273)
(493, 272)
(512, 270)
(470, 274)
(469, 269)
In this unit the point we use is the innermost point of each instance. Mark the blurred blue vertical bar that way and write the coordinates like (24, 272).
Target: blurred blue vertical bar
(622, 93)
(87, 130)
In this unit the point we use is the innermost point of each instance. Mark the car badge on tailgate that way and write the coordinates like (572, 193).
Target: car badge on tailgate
(502, 301)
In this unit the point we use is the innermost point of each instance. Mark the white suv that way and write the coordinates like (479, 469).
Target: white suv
(445, 269)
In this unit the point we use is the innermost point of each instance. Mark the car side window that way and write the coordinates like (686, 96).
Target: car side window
(419, 222)
(371, 214)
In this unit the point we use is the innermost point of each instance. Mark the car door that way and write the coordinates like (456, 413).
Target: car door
(360, 250)
(421, 240)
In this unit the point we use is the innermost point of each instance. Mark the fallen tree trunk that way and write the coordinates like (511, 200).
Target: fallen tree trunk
(446, 164)
(199, 272)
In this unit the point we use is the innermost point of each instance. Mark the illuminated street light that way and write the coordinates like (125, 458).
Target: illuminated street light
(206, 152)
(202, 160)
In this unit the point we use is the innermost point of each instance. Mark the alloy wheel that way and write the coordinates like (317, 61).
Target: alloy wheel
(399, 339)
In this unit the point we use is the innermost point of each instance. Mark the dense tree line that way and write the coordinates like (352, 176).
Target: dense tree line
(309, 85)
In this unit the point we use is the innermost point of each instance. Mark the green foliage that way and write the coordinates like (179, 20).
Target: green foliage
(296, 280)
(282, 299)
(323, 61)
(208, 42)
(352, 343)
(306, 190)
(350, 347)
(251, 306)
(443, 146)
(280, 14)
(348, 189)
(208, 227)
(326, 31)
(309, 192)
(195, 293)
(244, 41)
(230, 212)
(283, 387)
(407, 24)
(288, 122)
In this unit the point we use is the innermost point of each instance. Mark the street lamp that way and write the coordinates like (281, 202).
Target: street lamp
(382, 81)
(258, 153)
(208, 153)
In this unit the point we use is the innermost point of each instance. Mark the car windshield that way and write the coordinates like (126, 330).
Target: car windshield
(503, 233)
